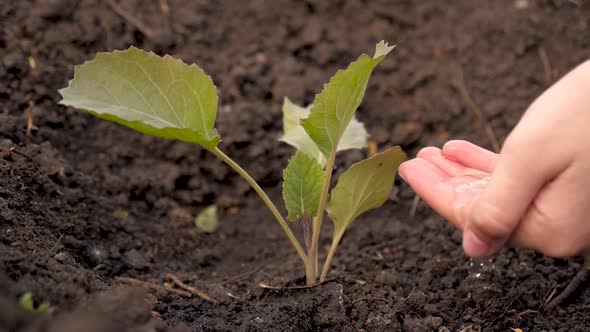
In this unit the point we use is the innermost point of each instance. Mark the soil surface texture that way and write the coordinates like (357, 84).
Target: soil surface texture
(97, 220)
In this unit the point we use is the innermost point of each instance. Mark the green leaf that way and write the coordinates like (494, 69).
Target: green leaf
(334, 107)
(27, 303)
(294, 134)
(354, 137)
(121, 214)
(207, 220)
(159, 96)
(364, 186)
(302, 185)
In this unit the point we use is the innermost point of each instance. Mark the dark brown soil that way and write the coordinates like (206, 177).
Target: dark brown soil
(63, 190)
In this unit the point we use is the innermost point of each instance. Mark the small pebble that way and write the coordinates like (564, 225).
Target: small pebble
(134, 259)
(61, 257)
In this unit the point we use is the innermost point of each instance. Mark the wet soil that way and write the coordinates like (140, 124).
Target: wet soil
(94, 216)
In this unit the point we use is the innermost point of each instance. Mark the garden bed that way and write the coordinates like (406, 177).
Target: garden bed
(94, 217)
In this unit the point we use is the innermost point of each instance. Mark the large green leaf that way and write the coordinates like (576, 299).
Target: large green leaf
(354, 137)
(302, 185)
(364, 186)
(159, 96)
(334, 107)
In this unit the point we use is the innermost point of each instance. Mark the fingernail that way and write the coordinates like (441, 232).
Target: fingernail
(473, 246)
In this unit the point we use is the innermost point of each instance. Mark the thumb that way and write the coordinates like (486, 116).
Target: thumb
(492, 217)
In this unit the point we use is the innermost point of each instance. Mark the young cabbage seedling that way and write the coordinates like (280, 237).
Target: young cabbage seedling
(164, 97)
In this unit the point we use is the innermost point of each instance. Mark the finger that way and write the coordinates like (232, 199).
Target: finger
(432, 185)
(516, 179)
(435, 156)
(470, 155)
(524, 166)
(555, 223)
(527, 162)
(420, 174)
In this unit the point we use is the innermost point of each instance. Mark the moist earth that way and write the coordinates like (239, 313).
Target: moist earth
(95, 217)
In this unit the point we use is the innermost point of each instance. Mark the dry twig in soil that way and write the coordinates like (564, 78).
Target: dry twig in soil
(573, 286)
(546, 65)
(190, 289)
(477, 111)
(149, 285)
(142, 27)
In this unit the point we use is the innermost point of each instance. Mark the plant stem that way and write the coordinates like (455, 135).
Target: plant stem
(310, 275)
(306, 222)
(328, 262)
(317, 223)
(216, 151)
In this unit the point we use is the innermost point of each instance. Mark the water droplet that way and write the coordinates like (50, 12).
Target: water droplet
(473, 186)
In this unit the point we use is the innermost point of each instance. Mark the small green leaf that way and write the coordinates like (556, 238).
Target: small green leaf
(364, 186)
(207, 220)
(302, 185)
(354, 137)
(294, 134)
(382, 49)
(121, 214)
(27, 303)
(334, 107)
(159, 96)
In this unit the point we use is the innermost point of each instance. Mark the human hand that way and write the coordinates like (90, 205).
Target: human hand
(534, 194)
